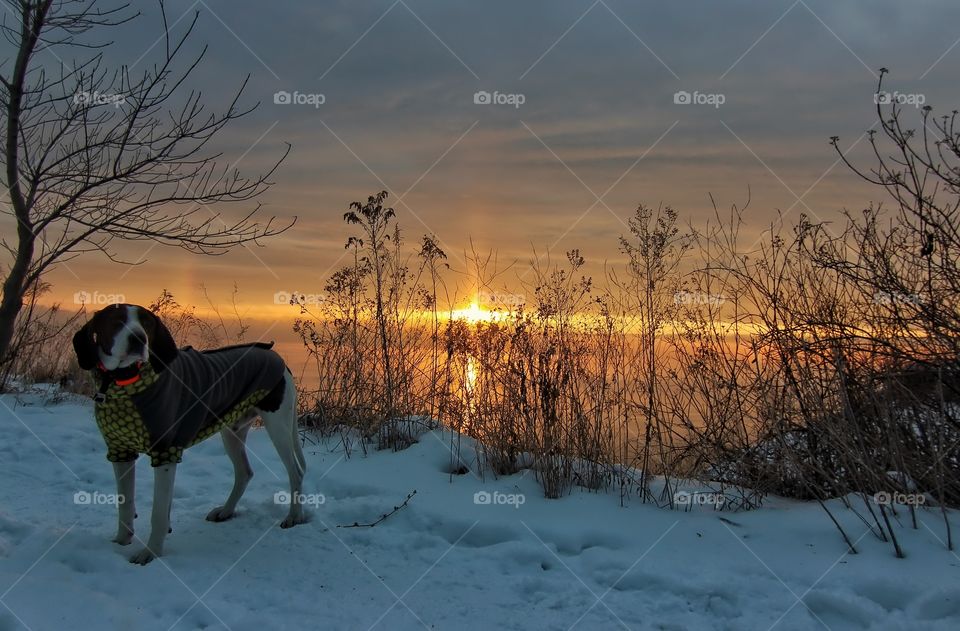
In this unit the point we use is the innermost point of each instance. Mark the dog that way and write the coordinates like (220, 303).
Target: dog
(157, 399)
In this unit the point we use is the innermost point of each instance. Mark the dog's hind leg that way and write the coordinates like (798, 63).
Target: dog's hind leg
(297, 449)
(235, 444)
(282, 429)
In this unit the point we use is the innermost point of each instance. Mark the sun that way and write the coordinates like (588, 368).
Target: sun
(475, 313)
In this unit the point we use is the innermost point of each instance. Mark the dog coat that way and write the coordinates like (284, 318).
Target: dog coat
(199, 393)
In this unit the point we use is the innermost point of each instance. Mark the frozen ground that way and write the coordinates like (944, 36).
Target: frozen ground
(443, 562)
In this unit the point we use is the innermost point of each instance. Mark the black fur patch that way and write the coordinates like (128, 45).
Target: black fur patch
(271, 402)
(85, 348)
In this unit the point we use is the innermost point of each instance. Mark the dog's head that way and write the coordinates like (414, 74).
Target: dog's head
(122, 335)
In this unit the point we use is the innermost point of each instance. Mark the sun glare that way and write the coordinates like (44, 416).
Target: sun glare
(475, 313)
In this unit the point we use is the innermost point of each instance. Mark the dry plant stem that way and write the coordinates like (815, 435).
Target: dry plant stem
(893, 535)
(843, 533)
(946, 524)
(384, 516)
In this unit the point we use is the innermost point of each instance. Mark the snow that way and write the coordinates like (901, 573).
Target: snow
(442, 562)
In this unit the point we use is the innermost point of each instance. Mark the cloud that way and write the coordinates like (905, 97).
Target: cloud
(399, 86)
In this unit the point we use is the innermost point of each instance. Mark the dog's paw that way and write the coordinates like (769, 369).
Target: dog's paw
(143, 557)
(220, 513)
(123, 539)
(292, 520)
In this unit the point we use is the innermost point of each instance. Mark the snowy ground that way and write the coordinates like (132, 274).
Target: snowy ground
(444, 562)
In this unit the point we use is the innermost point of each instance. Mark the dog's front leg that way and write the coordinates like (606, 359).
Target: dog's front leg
(126, 508)
(163, 478)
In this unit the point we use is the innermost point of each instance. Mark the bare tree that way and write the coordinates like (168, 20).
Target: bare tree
(94, 154)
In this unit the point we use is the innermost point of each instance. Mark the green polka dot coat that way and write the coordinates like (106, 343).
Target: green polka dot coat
(195, 396)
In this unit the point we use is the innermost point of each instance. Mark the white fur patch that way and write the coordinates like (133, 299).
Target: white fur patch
(120, 356)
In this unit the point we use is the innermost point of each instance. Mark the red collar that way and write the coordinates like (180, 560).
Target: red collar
(127, 378)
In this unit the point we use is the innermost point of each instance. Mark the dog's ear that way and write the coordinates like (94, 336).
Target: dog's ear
(163, 348)
(85, 347)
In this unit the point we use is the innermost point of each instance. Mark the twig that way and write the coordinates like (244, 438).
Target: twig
(382, 517)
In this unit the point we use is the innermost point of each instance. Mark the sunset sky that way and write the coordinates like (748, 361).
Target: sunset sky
(598, 130)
